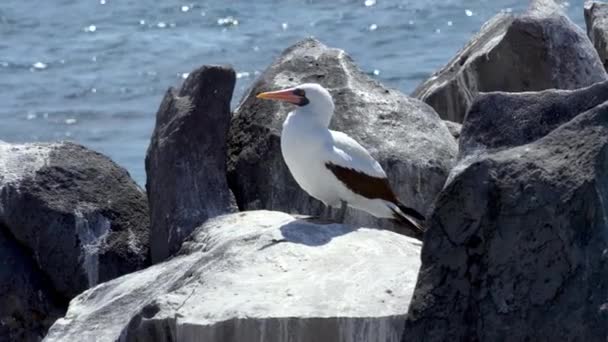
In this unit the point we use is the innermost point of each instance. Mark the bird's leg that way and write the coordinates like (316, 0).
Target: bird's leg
(342, 213)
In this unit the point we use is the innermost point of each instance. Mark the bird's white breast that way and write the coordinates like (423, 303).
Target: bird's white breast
(302, 144)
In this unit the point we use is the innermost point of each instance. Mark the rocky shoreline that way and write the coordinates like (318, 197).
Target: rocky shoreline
(217, 247)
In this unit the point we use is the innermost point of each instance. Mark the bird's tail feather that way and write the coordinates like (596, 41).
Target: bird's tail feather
(410, 212)
(409, 218)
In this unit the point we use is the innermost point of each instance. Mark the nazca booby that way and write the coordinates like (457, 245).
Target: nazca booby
(331, 166)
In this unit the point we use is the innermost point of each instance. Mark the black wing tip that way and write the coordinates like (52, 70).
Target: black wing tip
(413, 229)
(410, 219)
(411, 212)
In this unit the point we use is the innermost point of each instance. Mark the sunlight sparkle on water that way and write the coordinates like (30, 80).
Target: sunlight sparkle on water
(373, 27)
(370, 3)
(40, 65)
(228, 21)
(242, 74)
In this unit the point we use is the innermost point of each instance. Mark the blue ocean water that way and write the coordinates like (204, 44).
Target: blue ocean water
(95, 71)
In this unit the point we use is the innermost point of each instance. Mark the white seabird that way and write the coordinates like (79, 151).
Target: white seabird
(331, 166)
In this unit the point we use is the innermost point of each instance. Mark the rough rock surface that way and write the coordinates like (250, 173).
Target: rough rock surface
(405, 135)
(27, 306)
(234, 282)
(596, 18)
(79, 216)
(497, 121)
(540, 49)
(454, 128)
(186, 159)
(518, 240)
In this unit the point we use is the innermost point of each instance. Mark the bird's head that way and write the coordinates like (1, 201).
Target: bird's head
(308, 95)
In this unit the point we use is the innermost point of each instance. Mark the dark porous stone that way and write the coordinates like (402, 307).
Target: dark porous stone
(186, 159)
(81, 216)
(540, 49)
(70, 218)
(504, 120)
(518, 239)
(596, 19)
(28, 305)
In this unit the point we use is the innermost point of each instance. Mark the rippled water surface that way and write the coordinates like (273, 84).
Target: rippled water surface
(94, 71)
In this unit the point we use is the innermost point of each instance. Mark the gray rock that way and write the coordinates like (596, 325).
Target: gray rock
(234, 281)
(540, 49)
(499, 121)
(596, 19)
(186, 159)
(81, 217)
(28, 307)
(454, 128)
(518, 240)
(405, 135)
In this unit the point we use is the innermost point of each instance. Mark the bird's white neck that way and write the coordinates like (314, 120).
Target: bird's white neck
(316, 115)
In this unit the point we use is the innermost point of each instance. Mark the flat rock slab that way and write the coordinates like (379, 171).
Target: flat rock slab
(258, 276)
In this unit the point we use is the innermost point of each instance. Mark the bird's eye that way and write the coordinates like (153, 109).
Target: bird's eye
(299, 92)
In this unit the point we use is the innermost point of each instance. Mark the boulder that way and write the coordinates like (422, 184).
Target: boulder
(257, 276)
(28, 306)
(540, 49)
(186, 160)
(498, 122)
(80, 217)
(517, 243)
(405, 135)
(596, 19)
(454, 128)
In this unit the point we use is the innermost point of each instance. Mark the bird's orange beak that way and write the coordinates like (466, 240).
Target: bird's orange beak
(286, 95)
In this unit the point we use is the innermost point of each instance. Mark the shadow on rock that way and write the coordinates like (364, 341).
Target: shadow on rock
(222, 288)
(311, 231)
